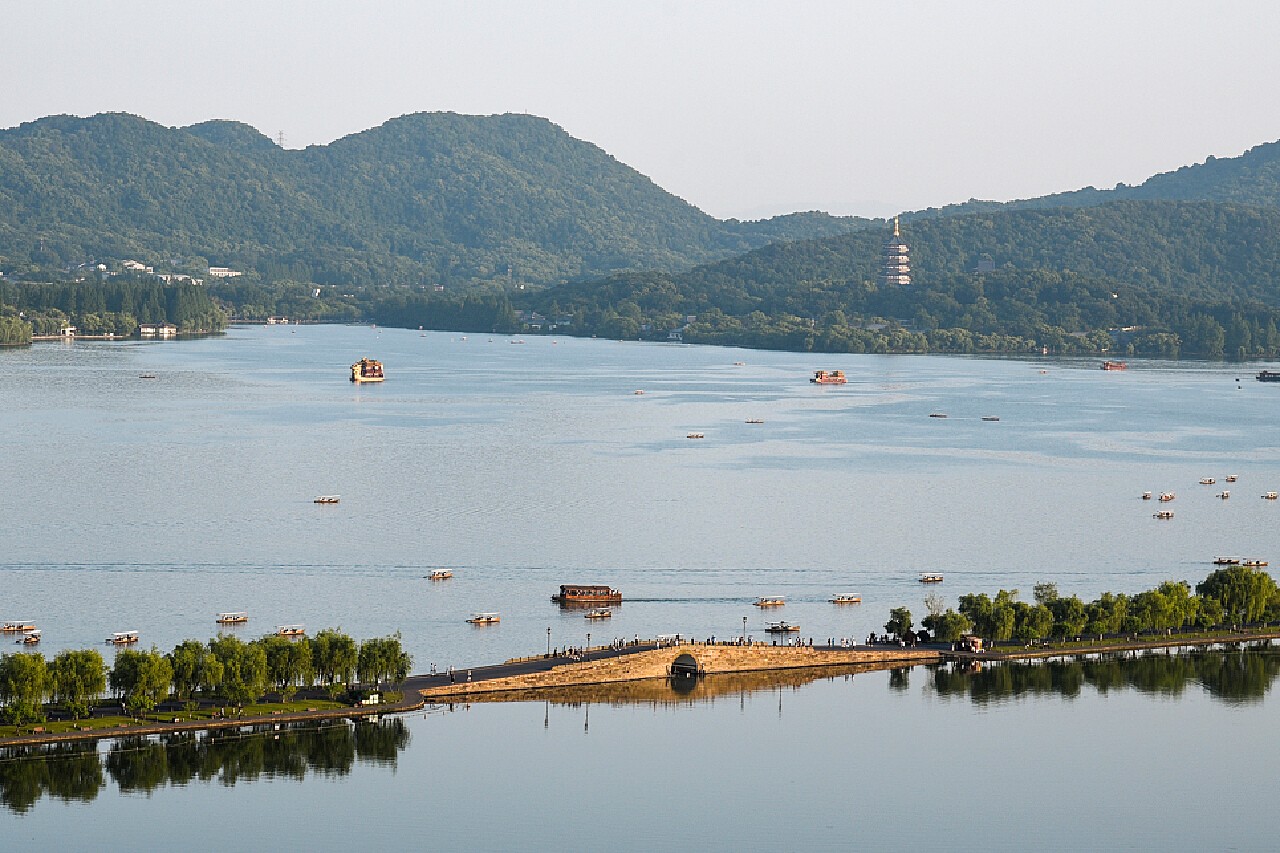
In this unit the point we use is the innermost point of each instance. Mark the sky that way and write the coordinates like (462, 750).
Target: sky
(745, 109)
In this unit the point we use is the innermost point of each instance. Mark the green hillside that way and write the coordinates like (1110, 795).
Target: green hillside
(430, 198)
(1189, 278)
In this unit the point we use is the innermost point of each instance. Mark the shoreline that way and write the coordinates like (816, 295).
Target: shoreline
(608, 670)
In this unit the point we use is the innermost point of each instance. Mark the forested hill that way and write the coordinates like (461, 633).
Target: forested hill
(1253, 178)
(1191, 278)
(429, 198)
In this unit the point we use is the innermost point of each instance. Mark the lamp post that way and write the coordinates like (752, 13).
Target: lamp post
(548, 641)
(588, 644)
(744, 630)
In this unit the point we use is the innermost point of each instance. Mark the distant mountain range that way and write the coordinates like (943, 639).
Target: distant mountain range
(429, 198)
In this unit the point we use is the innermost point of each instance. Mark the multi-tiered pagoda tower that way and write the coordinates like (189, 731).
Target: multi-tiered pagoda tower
(897, 259)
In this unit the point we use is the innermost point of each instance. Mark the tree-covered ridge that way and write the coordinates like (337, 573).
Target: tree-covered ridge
(1253, 178)
(426, 198)
(1191, 278)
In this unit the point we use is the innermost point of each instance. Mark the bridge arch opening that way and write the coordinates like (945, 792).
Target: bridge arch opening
(684, 666)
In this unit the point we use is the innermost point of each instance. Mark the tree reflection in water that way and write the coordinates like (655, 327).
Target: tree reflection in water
(1236, 676)
(75, 771)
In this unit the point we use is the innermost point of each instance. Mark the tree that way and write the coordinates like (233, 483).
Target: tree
(23, 684)
(141, 679)
(244, 669)
(75, 678)
(899, 622)
(288, 662)
(334, 657)
(947, 626)
(195, 668)
(1244, 592)
(383, 659)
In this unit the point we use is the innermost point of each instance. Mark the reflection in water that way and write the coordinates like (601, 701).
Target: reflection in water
(1232, 676)
(75, 771)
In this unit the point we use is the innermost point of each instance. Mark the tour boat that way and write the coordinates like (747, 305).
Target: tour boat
(327, 499)
(846, 599)
(367, 370)
(1268, 376)
(146, 376)
(1165, 497)
(598, 613)
(123, 638)
(1115, 365)
(587, 594)
(1164, 514)
(781, 627)
(1224, 494)
(1146, 496)
(236, 618)
(291, 631)
(770, 601)
(991, 417)
(931, 579)
(828, 377)
(484, 619)
(17, 626)
(755, 420)
(739, 364)
(1207, 481)
(440, 575)
(638, 392)
(1226, 561)
(1231, 478)
(695, 435)
(1254, 562)
(1270, 496)
(30, 638)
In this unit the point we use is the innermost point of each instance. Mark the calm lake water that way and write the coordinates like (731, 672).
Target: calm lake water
(151, 504)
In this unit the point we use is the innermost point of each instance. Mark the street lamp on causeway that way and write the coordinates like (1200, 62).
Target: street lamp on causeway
(744, 630)
(548, 641)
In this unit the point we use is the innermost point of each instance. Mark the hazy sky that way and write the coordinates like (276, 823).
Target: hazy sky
(743, 108)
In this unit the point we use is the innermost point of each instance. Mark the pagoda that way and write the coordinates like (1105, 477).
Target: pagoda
(897, 259)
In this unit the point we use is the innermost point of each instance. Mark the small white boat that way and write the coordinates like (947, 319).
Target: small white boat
(440, 575)
(1146, 496)
(1231, 478)
(238, 617)
(1164, 514)
(931, 579)
(695, 435)
(327, 499)
(755, 420)
(123, 638)
(1224, 494)
(1165, 497)
(846, 599)
(770, 601)
(1207, 481)
(484, 619)
(30, 638)
(1270, 496)
(291, 631)
(598, 613)
(781, 628)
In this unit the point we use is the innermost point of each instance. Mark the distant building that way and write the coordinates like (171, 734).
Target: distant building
(896, 269)
(157, 330)
(136, 266)
(223, 272)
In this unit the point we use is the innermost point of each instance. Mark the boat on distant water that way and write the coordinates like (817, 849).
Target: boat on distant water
(30, 638)
(16, 626)
(755, 420)
(938, 414)
(598, 613)
(232, 618)
(1224, 494)
(828, 377)
(574, 593)
(291, 631)
(1270, 496)
(770, 601)
(489, 618)
(695, 435)
(146, 376)
(1115, 365)
(781, 628)
(1231, 478)
(367, 370)
(1254, 562)
(1165, 497)
(1164, 514)
(931, 579)
(1146, 496)
(327, 499)
(1268, 376)
(991, 417)
(1226, 561)
(846, 599)
(1207, 481)
(440, 575)
(123, 638)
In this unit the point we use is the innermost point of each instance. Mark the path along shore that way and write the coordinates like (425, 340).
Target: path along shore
(528, 678)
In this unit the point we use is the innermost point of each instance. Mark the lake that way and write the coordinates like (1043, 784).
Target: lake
(151, 504)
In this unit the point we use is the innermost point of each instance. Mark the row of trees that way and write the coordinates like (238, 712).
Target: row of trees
(95, 307)
(1232, 595)
(225, 668)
